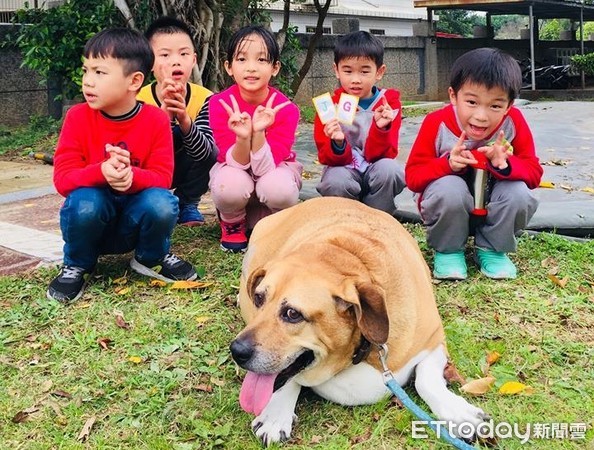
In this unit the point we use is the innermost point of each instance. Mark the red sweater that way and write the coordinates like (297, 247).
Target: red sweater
(440, 131)
(81, 148)
(379, 143)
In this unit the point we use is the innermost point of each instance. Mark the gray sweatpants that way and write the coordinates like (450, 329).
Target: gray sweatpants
(376, 187)
(446, 206)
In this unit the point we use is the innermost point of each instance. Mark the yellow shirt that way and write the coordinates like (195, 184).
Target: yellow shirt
(195, 97)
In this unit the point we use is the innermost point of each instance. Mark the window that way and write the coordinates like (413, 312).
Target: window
(377, 32)
(312, 29)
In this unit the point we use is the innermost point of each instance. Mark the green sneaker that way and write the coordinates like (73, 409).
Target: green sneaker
(495, 265)
(449, 266)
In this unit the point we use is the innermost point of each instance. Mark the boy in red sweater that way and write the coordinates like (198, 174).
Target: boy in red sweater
(483, 85)
(360, 157)
(114, 164)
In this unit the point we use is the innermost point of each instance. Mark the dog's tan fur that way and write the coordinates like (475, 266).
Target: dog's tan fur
(332, 248)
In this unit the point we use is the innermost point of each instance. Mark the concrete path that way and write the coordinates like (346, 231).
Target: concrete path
(564, 134)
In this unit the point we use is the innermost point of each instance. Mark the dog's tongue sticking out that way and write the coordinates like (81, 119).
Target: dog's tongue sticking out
(256, 391)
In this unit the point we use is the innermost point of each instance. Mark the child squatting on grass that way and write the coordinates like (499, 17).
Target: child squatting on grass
(483, 85)
(360, 156)
(114, 165)
(254, 129)
(187, 107)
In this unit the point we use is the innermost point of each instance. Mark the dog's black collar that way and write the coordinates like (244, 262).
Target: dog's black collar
(362, 351)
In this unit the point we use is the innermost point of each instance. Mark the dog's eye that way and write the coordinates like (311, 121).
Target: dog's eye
(258, 299)
(292, 315)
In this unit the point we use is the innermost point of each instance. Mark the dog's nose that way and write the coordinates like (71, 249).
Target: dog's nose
(241, 350)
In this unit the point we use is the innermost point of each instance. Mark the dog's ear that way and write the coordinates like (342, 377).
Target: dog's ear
(253, 281)
(370, 311)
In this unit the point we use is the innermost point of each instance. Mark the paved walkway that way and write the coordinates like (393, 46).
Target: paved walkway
(563, 131)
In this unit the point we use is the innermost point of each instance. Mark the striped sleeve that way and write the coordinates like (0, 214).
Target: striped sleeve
(199, 142)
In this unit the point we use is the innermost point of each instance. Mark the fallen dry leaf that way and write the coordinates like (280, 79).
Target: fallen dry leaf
(559, 282)
(204, 387)
(315, 439)
(361, 438)
(493, 357)
(185, 284)
(567, 187)
(548, 262)
(514, 387)
(394, 401)
(122, 290)
(135, 359)
(122, 280)
(479, 386)
(120, 322)
(23, 415)
(547, 185)
(104, 342)
(60, 393)
(217, 382)
(46, 385)
(588, 189)
(157, 283)
(86, 429)
(451, 374)
(202, 319)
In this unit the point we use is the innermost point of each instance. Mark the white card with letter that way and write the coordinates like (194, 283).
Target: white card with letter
(347, 107)
(325, 107)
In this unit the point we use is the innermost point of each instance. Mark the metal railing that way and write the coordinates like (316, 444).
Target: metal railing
(8, 7)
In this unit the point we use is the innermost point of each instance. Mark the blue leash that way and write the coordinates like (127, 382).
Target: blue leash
(414, 408)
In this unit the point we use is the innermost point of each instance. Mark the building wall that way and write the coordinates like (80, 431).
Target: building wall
(391, 26)
(407, 60)
(21, 95)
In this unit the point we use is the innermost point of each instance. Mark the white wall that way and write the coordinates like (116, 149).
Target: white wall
(396, 17)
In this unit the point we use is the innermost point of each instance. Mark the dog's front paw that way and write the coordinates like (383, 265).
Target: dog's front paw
(272, 427)
(462, 417)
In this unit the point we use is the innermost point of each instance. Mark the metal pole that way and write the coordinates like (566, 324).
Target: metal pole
(531, 24)
(583, 74)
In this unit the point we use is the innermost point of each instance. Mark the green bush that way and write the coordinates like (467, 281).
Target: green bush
(584, 62)
(52, 40)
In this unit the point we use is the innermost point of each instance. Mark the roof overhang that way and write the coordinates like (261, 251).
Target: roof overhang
(542, 9)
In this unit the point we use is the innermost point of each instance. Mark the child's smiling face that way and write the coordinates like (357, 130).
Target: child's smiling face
(479, 109)
(358, 75)
(251, 67)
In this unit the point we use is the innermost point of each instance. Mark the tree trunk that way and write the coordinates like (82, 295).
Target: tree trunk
(313, 42)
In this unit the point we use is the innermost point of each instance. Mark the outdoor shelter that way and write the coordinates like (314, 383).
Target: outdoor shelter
(535, 9)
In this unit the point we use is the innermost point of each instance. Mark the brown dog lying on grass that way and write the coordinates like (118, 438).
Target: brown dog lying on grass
(323, 283)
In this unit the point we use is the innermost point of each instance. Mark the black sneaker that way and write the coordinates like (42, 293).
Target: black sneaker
(170, 268)
(69, 285)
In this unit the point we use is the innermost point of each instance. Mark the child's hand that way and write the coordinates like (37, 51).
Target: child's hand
(334, 132)
(174, 104)
(264, 115)
(119, 158)
(123, 181)
(116, 170)
(497, 153)
(383, 115)
(460, 158)
(239, 122)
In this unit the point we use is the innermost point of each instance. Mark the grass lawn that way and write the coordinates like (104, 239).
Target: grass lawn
(135, 366)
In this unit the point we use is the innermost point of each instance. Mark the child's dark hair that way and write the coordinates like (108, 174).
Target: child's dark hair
(168, 25)
(490, 67)
(238, 39)
(359, 44)
(122, 43)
